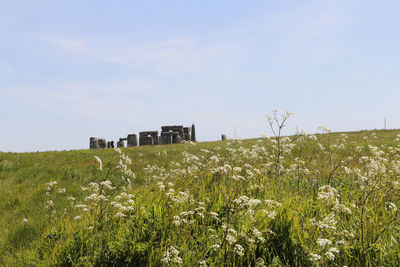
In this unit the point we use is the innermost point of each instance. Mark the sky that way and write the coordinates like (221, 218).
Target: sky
(73, 69)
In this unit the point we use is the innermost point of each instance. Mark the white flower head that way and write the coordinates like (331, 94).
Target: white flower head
(323, 242)
(239, 250)
(100, 162)
(315, 257)
(330, 255)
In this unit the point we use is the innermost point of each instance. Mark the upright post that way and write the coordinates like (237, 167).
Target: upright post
(385, 123)
(193, 137)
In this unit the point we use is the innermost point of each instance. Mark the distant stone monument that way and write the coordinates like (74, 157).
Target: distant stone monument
(169, 135)
(223, 137)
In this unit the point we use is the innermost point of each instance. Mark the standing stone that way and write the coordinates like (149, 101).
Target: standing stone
(120, 143)
(110, 144)
(148, 141)
(193, 137)
(165, 139)
(93, 143)
(148, 138)
(223, 137)
(186, 133)
(132, 140)
(102, 142)
(176, 139)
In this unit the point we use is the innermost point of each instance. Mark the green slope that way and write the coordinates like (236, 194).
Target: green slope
(271, 210)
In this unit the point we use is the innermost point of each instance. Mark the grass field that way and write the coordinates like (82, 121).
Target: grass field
(328, 199)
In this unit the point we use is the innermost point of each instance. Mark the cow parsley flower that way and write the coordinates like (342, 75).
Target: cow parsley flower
(323, 242)
(203, 263)
(231, 239)
(107, 185)
(62, 191)
(239, 250)
(120, 215)
(391, 206)
(172, 256)
(100, 162)
(330, 255)
(315, 257)
(215, 247)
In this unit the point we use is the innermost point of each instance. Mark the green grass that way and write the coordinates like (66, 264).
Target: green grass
(354, 213)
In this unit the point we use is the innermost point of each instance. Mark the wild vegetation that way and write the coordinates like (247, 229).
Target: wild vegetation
(328, 199)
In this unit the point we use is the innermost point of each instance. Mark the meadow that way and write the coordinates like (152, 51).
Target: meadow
(328, 199)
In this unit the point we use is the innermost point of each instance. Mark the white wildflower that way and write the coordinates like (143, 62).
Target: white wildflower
(323, 242)
(315, 257)
(107, 185)
(391, 206)
(330, 255)
(334, 250)
(231, 239)
(215, 247)
(203, 263)
(239, 250)
(120, 215)
(100, 162)
(62, 191)
(172, 256)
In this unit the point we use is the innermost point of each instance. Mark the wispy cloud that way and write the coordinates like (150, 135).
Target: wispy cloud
(66, 43)
(178, 56)
(88, 99)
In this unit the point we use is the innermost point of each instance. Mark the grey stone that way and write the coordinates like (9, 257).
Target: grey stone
(148, 138)
(146, 133)
(110, 144)
(174, 128)
(165, 140)
(193, 137)
(94, 144)
(177, 139)
(120, 144)
(177, 132)
(102, 142)
(186, 134)
(132, 140)
(223, 137)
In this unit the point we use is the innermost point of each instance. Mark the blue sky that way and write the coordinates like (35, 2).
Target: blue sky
(74, 69)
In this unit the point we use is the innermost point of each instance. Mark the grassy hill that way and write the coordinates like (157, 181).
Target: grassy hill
(327, 199)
